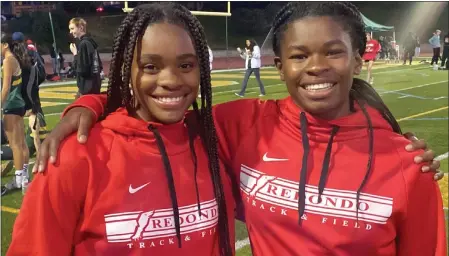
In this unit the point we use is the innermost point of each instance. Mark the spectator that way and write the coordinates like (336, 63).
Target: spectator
(436, 45)
(86, 59)
(252, 64)
(409, 48)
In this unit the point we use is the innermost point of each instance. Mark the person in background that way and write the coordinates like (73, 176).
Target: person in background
(15, 57)
(211, 59)
(372, 48)
(409, 48)
(86, 59)
(436, 46)
(383, 48)
(417, 47)
(54, 59)
(251, 55)
(445, 58)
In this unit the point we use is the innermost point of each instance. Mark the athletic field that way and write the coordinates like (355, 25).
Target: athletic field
(417, 96)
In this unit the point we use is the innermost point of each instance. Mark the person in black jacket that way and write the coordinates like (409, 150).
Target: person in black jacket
(409, 48)
(86, 59)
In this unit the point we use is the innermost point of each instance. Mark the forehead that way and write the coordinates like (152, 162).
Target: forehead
(315, 30)
(72, 26)
(166, 39)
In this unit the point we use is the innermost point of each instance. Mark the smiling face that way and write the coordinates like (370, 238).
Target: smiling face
(318, 68)
(76, 31)
(165, 74)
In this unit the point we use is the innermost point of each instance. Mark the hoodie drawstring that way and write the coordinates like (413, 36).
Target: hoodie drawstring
(324, 170)
(171, 183)
(326, 161)
(195, 165)
(303, 174)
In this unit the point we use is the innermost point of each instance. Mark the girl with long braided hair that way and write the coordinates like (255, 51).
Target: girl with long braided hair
(149, 182)
(324, 171)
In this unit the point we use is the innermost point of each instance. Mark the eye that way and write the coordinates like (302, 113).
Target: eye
(334, 52)
(150, 68)
(298, 56)
(186, 66)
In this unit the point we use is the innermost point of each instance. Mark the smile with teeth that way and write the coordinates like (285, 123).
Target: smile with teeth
(317, 87)
(169, 100)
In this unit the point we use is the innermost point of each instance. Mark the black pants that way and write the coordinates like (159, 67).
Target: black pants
(248, 73)
(408, 54)
(445, 58)
(436, 55)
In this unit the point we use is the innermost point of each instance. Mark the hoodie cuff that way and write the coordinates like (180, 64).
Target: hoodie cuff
(91, 102)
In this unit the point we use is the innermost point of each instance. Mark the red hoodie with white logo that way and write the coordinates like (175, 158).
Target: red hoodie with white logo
(270, 145)
(399, 209)
(111, 196)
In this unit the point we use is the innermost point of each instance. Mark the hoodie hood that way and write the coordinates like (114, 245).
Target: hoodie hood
(175, 136)
(161, 139)
(88, 38)
(351, 126)
(360, 123)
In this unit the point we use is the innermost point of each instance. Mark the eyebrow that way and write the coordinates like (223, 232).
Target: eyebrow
(159, 57)
(305, 48)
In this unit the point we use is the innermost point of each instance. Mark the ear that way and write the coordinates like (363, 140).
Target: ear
(358, 63)
(278, 64)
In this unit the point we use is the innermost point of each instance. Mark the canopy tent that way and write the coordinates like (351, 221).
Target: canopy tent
(372, 26)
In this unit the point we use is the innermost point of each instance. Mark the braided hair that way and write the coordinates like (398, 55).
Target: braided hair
(350, 19)
(119, 94)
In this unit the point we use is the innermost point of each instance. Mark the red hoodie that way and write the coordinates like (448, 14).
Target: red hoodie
(371, 50)
(264, 146)
(400, 209)
(111, 197)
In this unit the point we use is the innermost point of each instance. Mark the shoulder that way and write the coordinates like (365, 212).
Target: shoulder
(99, 143)
(243, 109)
(411, 171)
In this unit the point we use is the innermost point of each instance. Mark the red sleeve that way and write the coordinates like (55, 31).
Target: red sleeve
(232, 121)
(52, 207)
(421, 230)
(95, 102)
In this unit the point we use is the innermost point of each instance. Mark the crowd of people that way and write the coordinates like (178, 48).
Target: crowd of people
(23, 71)
(326, 170)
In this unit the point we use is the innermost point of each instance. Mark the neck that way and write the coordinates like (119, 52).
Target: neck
(336, 113)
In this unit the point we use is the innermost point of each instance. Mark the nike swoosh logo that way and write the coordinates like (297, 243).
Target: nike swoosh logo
(265, 158)
(134, 190)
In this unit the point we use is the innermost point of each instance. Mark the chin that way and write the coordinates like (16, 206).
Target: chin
(171, 118)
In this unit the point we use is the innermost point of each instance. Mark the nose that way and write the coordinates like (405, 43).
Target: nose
(169, 79)
(317, 65)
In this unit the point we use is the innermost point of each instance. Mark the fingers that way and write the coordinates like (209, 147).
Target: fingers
(415, 142)
(41, 157)
(84, 125)
(438, 176)
(427, 156)
(434, 166)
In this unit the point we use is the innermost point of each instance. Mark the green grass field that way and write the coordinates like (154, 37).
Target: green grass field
(416, 95)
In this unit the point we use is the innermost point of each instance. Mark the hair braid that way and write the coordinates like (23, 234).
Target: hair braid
(115, 71)
(119, 93)
(200, 44)
(349, 18)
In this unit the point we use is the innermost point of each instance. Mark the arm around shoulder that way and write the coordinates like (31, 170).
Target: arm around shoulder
(94, 102)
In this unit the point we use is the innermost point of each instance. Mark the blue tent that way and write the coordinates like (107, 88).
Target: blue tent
(372, 26)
